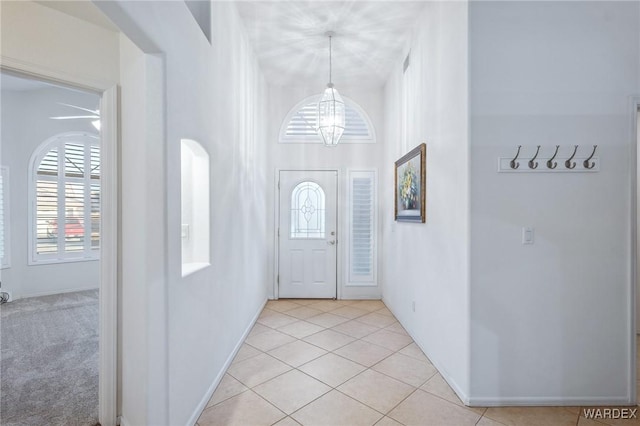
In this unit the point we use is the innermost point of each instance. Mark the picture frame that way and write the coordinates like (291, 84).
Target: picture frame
(410, 185)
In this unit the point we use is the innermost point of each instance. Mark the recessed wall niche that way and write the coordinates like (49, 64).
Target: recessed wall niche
(195, 206)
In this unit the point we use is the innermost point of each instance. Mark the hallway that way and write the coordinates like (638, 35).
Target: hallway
(347, 362)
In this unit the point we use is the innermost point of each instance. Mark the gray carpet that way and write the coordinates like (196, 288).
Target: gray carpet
(49, 360)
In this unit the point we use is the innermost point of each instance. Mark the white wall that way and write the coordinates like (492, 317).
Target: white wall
(550, 322)
(178, 86)
(142, 291)
(33, 34)
(297, 156)
(428, 263)
(214, 95)
(26, 125)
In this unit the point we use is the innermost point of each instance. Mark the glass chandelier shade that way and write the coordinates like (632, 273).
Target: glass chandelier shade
(331, 111)
(331, 116)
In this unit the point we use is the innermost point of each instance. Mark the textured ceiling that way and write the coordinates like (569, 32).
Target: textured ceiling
(288, 39)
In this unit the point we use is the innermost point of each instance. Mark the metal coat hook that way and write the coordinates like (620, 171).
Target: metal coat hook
(513, 163)
(586, 163)
(568, 164)
(532, 163)
(553, 164)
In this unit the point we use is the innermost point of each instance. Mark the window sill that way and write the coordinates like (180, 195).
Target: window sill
(191, 268)
(54, 261)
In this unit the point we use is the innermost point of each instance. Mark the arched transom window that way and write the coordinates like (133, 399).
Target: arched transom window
(301, 124)
(64, 211)
(307, 211)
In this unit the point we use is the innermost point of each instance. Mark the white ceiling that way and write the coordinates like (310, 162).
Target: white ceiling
(289, 41)
(288, 37)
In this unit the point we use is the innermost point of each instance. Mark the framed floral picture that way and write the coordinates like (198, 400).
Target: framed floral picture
(410, 185)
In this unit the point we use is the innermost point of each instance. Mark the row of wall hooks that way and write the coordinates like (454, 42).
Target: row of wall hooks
(533, 164)
(537, 163)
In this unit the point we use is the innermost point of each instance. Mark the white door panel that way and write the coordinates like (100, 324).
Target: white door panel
(308, 237)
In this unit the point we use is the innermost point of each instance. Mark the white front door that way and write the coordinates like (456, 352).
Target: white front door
(307, 234)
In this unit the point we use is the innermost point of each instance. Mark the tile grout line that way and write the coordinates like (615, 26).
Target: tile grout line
(378, 328)
(363, 371)
(258, 384)
(343, 357)
(482, 415)
(398, 404)
(332, 388)
(366, 405)
(269, 402)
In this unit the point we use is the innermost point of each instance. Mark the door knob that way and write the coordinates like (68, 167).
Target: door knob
(332, 242)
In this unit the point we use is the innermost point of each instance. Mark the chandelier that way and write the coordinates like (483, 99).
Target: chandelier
(331, 111)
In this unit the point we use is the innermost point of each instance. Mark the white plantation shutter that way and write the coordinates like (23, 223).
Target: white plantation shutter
(362, 228)
(355, 124)
(302, 124)
(4, 218)
(65, 206)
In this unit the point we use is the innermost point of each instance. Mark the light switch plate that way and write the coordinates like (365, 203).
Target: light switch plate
(527, 235)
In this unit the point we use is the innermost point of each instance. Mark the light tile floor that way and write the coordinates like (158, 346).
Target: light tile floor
(344, 363)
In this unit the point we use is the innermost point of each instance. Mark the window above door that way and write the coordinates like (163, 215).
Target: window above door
(301, 124)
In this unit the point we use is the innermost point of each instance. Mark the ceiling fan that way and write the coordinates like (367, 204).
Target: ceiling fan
(95, 115)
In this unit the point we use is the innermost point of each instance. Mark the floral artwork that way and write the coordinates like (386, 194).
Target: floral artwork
(410, 186)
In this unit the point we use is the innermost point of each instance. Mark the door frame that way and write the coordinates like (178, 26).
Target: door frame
(634, 304)
(109, 226)
(276, 225)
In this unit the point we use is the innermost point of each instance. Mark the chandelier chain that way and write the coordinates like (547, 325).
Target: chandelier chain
(330, 64)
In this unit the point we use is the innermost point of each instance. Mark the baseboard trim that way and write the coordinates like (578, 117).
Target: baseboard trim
(360, 297)
(454, 386)
(51, 293)
(207, 396)
(527, 401)
(445, 375)
(548, 401)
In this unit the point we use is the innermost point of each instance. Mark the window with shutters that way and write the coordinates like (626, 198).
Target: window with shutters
(301, 124)
(5, 251)
(362, 227)
(64, 208)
